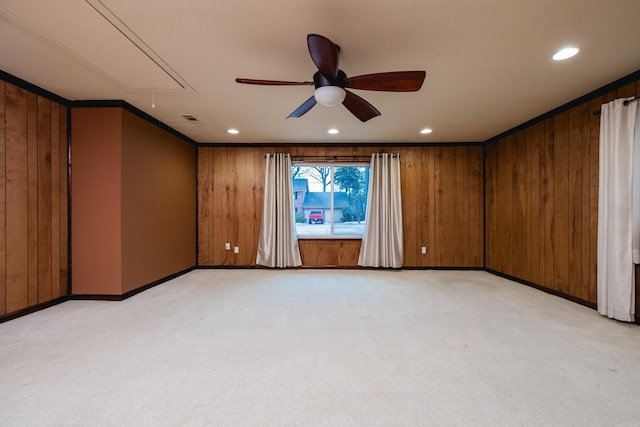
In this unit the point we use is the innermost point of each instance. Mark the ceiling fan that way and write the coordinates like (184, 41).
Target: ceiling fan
(331, 82)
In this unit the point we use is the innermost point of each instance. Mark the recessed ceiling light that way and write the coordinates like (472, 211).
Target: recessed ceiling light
(233, 131)
(565, 53)
(426, 131)
(333, 131)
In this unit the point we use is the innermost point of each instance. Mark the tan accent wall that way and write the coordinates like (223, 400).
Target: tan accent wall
(158, 203)
(442, 196)
(542, 200)
(33, 199)
(134, 202)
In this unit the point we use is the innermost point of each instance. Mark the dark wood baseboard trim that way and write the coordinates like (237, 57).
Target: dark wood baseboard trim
(547, 290)
(32, 309)
(334, 267)
(446, 268)
(102, 297)
(227, 267)
(96, 297)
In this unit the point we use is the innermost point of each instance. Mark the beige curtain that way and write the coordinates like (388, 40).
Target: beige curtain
(382, 241)
(616, 194)
(278, 242)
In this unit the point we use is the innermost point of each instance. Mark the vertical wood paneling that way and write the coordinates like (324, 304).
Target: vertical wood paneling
(258, 183)
(519, 197)
(585, 200)
(409, 179)
(220, 231)
(535, 202)
(205, 206)
(442, 206)
(428, 211)
(448, 208)
(63, 191)
(476, 206)
(249, 164)
(254, 203)
(465, 212)
(217, 169)
(3, 178)
(246, 207)
(55, 200)
(491, 216)
(439, 207)
(17, 296)
(626, 91)
(575, 202)
(32, 195)
(33, 199)
(460, 212)
(498, 214)
(328, 252)
(561, 203)
(348, 253)
(241, 191)
(529, 184)
(44, 200)
(225, 205)
(505, 203)
(233, 210)
(230, 206)
(548, 249)
(594, 164)
(309, 252)
(560, 183)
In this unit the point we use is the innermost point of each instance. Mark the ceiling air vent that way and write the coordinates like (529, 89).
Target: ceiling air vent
(189, 117)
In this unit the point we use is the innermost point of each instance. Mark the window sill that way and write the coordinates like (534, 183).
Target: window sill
(334, 237)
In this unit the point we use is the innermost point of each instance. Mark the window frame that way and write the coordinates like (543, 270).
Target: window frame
(333, 165)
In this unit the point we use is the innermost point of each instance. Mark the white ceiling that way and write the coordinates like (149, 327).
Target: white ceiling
(488, 63)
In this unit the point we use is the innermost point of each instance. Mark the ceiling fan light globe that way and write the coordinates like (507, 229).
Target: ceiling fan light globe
(329, 96)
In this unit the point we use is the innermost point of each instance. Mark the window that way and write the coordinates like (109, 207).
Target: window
(329, 200)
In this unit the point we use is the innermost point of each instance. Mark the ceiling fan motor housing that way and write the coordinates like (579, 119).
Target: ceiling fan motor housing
(320, 80)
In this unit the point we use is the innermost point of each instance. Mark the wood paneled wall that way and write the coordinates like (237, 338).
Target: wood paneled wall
(33, 199)
(542, 200)
(442, 195)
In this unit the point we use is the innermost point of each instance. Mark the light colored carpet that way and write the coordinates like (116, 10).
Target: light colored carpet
(321, 348)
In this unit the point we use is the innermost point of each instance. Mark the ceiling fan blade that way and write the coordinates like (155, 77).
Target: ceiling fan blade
(395, 81)
(301, 110)
(359, 107)
(324, 54)
(272, 82)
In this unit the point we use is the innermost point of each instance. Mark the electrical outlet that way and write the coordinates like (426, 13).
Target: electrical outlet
(227, 246)
(236, 249)
(424, 250)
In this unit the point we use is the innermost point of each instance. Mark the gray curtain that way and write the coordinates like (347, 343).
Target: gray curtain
(382, 243)
(278, 242)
